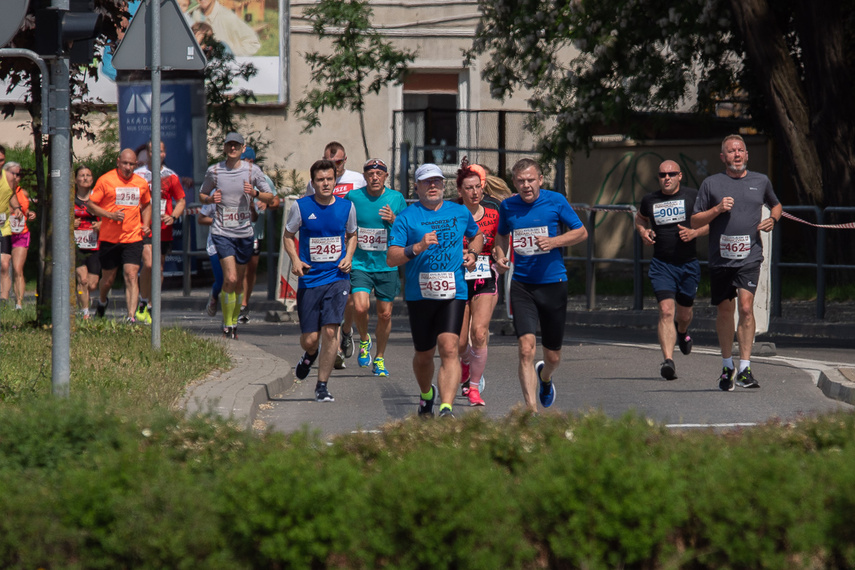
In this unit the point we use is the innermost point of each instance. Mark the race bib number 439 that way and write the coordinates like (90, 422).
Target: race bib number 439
(734, 247)
(670, 212)
(325, 248)
(437, 285)
(525, 240)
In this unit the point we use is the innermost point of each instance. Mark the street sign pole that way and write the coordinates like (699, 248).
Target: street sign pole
(60, 186)
(155, 175)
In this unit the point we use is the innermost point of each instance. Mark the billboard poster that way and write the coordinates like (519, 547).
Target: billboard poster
(176, 133)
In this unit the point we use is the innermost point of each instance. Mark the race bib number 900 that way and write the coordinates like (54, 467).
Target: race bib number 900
(670, 212)
(325, 248)
(437, 285)
(734, 247)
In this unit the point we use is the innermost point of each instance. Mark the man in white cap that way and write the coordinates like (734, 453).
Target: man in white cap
(426, 238)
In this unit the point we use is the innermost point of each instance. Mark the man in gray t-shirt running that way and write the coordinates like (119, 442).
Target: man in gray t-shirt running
(732, 204)
(231, 185)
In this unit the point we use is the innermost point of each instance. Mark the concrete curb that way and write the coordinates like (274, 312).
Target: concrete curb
(838, 384)
(254, 378)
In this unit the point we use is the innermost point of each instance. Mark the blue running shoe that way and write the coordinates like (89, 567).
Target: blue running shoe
(380, 367)
(364, 358)
(547, 389)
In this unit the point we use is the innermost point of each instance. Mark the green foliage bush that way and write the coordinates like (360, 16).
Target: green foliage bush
(82, 486)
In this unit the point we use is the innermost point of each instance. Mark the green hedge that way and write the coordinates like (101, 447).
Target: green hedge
(81, 487)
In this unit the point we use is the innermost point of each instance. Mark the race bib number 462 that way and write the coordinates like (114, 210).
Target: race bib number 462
(734, 247)
(437, 285)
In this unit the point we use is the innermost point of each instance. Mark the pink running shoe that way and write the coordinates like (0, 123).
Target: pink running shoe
(475, 398)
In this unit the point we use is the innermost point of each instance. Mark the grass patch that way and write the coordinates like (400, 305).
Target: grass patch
(108, 359)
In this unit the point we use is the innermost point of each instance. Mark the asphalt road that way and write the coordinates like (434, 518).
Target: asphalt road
(613, 370)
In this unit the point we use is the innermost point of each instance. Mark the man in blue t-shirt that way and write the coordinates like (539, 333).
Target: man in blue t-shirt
(322, 261)
(376, 209)
(533, 220)
(427, 237)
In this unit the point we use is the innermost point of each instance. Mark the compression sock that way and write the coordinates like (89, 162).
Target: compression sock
(227, 302)
(236, 307)
(478, 359)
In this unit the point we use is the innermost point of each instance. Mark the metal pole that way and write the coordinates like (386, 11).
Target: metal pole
(271, 241)
(590, 270)
(61, 243)
(155, 174)
(637, 273)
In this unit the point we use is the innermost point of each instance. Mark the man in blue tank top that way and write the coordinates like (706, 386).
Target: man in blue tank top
(322, 261)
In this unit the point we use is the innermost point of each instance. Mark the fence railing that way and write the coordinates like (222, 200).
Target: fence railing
(821, 266)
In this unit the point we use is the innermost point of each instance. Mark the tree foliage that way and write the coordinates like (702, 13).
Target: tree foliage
(594, 63)
(361, 63)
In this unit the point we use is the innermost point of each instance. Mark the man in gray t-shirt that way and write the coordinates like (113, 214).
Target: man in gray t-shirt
(231, 185)
(732, 204)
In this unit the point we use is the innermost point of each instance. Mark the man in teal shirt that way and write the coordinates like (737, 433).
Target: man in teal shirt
(376, 209)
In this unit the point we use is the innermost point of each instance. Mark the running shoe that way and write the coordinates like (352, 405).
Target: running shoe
(745, 379)
(364, 358)
(346, 345)
(130, 321)
(322, 394)
(725, 381)
(243, 317)
(147, 318)
(380, 367)
(475, 398)
(426, 406)
(446, 413)
(685, 342)
(230, 332)
(339, 363)
(140, 314)
(19, 308)
(211, 307)
(101, 309)
(668, 369)
(305, 364)
(547, 389)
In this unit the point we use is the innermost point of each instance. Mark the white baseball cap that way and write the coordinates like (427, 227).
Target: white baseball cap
(428, 170)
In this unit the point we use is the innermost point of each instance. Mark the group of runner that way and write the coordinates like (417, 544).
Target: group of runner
(454, 251)
(350, 232)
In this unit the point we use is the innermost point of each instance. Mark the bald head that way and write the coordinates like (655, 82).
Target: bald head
(126, 163)
(669, 177)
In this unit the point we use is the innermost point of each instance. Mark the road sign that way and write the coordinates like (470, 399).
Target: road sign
(179, 48)
(14, 12)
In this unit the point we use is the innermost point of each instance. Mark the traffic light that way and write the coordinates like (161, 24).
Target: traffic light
(69, 32)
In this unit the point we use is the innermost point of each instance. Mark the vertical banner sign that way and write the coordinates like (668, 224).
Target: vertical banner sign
(176, 133)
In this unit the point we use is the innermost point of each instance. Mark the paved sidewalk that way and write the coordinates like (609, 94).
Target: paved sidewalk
(256, 375)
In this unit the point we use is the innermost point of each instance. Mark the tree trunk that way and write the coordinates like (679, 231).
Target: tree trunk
(768, 54)
(829, 88)
(43, 279)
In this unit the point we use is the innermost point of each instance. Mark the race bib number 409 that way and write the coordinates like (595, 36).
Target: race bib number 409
(437, 285)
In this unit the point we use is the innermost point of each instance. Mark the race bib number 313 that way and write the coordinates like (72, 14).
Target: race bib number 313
(525, 240)
(437, 285)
